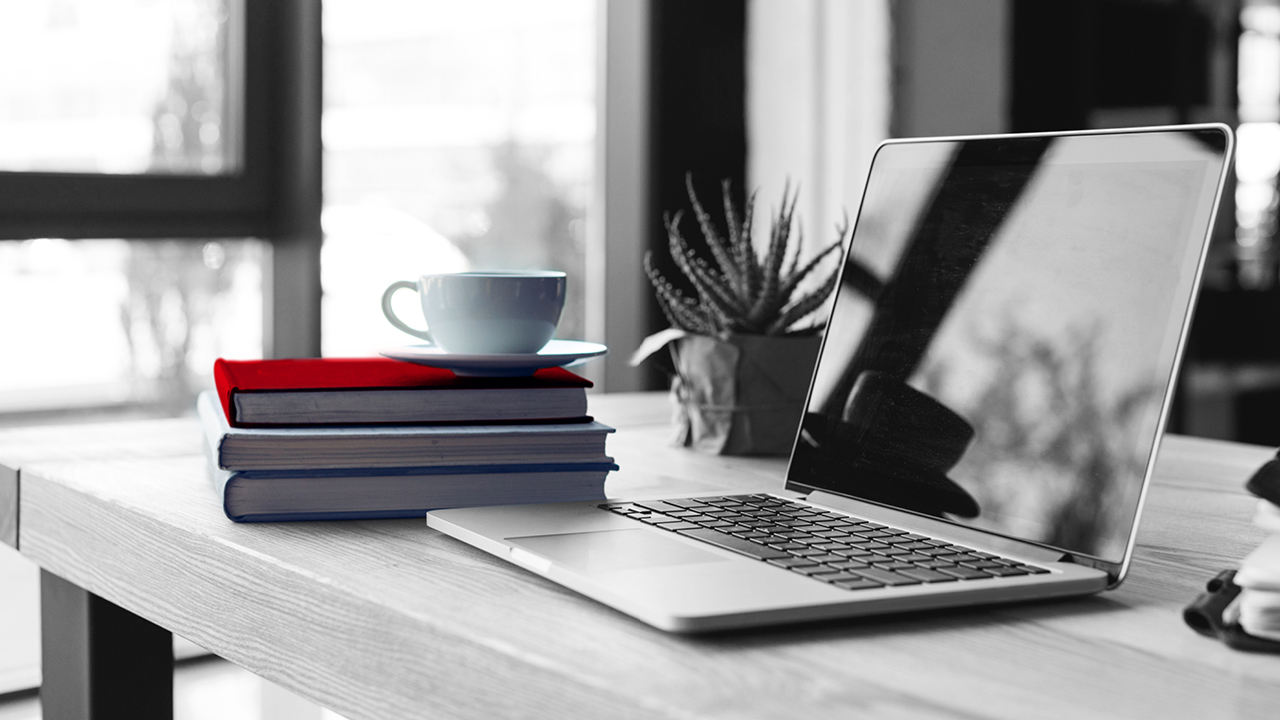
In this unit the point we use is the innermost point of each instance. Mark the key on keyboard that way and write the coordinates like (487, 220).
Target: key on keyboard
(841, 550)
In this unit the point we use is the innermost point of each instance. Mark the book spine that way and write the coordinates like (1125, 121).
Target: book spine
(452, 470)
(246, 451)
(381, 407)
(224, 385)
(362, 498)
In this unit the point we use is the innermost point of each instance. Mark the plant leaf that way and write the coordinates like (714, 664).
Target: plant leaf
(739, 289)
(723, 256)
(795, 257)
(794, 279)
(747, 253)
(740, 242)
(803, 306)
(684, 313)
(680, 311)
(711, 287)
(770, 301)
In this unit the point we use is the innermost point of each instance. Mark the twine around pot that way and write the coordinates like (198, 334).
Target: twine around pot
(743, 395)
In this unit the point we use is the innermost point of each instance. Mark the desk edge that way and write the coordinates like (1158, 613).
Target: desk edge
(9, 495)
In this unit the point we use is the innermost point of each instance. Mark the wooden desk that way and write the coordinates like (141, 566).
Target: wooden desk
(390, 619)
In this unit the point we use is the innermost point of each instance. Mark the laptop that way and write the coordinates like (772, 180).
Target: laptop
(984, 414)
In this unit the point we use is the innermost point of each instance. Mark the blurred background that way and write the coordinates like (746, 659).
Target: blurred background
(456, 135)
(187, 179)
(506, 134)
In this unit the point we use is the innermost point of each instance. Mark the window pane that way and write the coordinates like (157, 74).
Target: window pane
(457, 135)
(117, 86)
(113, 322)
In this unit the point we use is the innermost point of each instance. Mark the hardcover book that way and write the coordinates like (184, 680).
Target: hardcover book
(365, 391)
(385, 446)
(367, 493)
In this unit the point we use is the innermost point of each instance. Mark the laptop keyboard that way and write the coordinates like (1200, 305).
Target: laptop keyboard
(828, 546)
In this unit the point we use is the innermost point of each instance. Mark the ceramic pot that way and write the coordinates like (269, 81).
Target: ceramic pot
(743, 395)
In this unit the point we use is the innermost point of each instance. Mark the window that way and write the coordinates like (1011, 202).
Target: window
(1258, 137)
(122, 87)
(457, 136)
(118, 86)
(118, 323)
(145, 148)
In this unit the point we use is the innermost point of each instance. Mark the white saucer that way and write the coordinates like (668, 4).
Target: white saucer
(557, 353)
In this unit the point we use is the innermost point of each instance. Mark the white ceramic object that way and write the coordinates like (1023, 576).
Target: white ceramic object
(556, 353)
(485, 313)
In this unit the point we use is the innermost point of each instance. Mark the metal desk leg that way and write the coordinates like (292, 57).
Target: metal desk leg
(101, 661)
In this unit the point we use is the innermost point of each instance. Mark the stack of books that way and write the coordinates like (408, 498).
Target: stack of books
(348, 438)
(1257, 609)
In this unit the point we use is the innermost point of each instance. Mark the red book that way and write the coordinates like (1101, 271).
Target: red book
(381, 391)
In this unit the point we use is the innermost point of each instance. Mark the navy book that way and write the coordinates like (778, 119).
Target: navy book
(387, 491)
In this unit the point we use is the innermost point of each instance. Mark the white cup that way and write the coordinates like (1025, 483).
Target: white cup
(485, 313)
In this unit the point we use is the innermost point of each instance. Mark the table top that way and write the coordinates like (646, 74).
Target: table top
(386, 619)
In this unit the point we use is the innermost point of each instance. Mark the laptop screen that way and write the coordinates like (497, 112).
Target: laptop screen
(1003, 340)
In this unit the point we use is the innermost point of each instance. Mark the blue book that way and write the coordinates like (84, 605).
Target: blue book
(398, 446)
(269, 495)
(273, 495)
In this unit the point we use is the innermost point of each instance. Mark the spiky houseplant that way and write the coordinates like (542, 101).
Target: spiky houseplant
(742, 293)
(742, 345)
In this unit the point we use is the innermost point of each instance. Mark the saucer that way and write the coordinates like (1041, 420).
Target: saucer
(556, 353)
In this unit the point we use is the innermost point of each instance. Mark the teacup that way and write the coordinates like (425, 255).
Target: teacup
(487, 312)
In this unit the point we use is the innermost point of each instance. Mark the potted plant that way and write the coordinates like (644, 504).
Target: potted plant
(744, 342)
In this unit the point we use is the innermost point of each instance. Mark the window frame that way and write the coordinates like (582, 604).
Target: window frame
(274, 194)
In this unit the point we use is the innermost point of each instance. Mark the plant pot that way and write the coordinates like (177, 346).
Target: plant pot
(743, 395)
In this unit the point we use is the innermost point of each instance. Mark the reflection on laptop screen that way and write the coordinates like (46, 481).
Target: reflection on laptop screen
(1007, 324)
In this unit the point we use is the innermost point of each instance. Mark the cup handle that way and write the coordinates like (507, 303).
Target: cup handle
(391, 314)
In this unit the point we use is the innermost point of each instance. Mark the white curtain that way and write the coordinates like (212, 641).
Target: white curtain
(818, 103)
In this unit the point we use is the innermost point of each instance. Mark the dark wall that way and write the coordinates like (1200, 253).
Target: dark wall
(1071, 58)
(699, 103)
(697, 116)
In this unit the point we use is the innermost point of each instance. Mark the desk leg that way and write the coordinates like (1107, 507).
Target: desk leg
(101, 661)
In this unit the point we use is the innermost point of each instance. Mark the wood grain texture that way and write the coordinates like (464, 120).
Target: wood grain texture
(21, 446)
(390, 619)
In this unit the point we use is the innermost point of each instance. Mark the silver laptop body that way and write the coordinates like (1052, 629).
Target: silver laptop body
(994, 379)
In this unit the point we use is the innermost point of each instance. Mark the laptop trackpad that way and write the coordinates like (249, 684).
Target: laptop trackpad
(613, 550)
